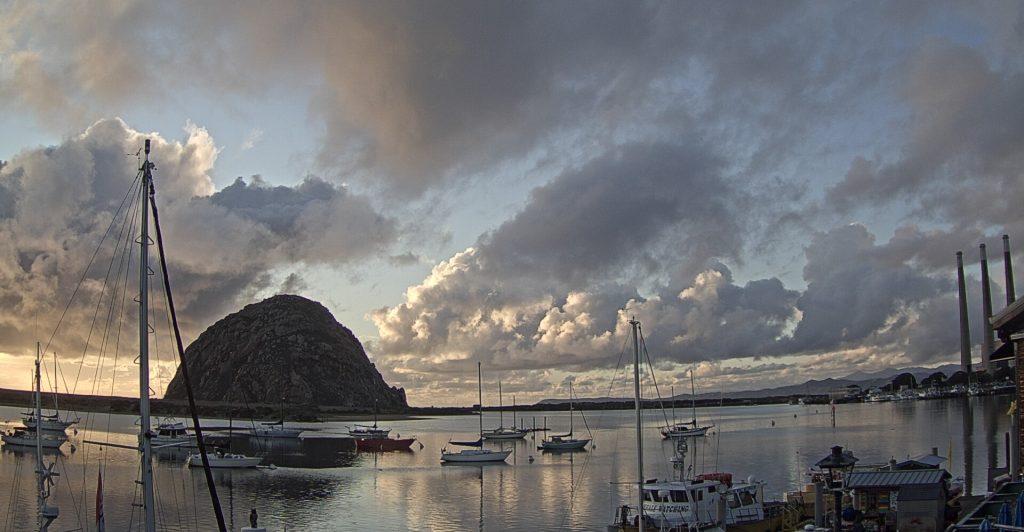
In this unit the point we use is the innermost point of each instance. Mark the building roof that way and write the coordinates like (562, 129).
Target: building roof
(930, 460)
(894, 479)
(1010, 319)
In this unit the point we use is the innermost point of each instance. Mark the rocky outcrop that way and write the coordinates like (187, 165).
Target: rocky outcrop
(286, 348)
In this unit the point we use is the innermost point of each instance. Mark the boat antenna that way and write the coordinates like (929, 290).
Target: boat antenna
(148, 182)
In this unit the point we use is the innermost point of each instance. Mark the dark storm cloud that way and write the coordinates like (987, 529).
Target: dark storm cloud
(637, 200)
(963, 157)
(852, 291)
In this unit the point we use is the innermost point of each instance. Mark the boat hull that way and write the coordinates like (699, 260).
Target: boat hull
(566, 445)
(684, 433)
(475, 456)
(383, 445)
(48, 425)
(228, 461)
(276, 433)
(30, 441)
(508, 435)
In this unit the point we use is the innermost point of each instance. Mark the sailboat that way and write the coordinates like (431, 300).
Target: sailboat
(49, 422)
(29, 437)
(369, 431)
(688, 429)
(146, 196)
(478, 453)
(224, 460)
(503, 432)
(373, 438)
(44, 473)
(276, 429)
(564, 442)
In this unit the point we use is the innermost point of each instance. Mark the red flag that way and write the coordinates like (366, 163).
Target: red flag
(100, 524)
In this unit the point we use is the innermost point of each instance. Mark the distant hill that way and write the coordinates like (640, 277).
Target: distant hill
(811, 387)
(285, 348)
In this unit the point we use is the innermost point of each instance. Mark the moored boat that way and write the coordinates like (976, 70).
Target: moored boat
(564, 442)
(223, 460)
(379, 445)
(275, 429)
(478, 454)
(28, 438)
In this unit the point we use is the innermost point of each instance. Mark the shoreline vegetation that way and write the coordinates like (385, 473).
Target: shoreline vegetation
(312, 413)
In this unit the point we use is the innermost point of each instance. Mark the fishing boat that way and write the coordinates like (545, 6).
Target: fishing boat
(709, 502)
(688, 429)
(477, 454)
(564, 442)
(503, 432)
(170, 432)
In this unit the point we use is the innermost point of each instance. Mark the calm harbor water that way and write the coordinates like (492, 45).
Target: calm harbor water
(316, 486)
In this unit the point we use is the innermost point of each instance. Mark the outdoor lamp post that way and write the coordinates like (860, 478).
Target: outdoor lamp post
(837, 459)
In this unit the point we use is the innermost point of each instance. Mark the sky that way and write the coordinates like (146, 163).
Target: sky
(776, 191)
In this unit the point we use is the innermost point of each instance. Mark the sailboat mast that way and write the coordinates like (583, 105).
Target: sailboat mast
(56, 410)
(480, 399)
(639, 433)
(501, 408)
(44, 475)
(693, 398)
(570, 409)
(41, 501)
(148, 499)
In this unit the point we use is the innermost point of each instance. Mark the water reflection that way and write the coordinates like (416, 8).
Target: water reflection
(321, 484)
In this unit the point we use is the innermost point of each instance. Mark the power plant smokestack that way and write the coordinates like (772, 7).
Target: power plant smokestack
(987, 339)
(1008, 267)
(965, 326)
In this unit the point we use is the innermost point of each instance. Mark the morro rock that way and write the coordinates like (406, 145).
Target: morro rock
(284, 349)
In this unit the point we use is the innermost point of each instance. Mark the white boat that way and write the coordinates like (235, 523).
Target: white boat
(478, 454)
(172, 433)
(49, 422)
(503, 432)
(223, 460)
(275, 429)
(564, 442)
(689, 429)
(45, 512)
(28, 438)
(369, 432)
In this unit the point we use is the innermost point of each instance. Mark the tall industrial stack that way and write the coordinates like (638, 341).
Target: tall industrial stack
(987, 336)
(965, 326)
(1008, 268)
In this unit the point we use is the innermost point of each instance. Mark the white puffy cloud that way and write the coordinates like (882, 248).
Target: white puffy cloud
(224, 247)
